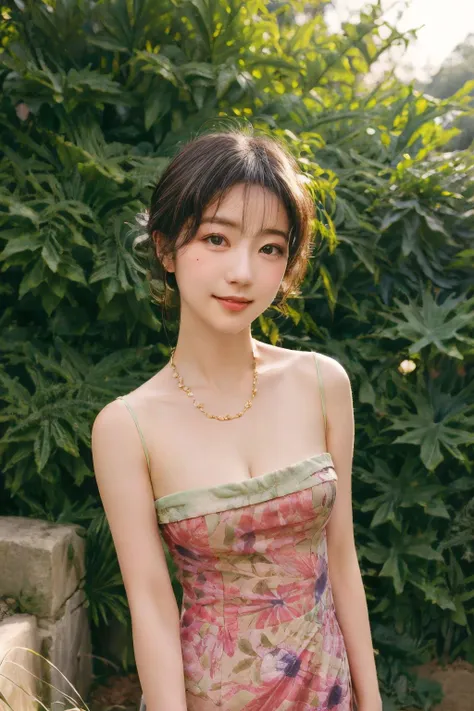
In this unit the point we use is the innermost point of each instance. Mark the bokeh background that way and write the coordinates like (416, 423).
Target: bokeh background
(375, 100)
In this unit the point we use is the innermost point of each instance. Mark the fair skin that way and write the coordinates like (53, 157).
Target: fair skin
(213, 354)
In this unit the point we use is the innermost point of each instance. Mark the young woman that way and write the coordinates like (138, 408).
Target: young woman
(239, 454)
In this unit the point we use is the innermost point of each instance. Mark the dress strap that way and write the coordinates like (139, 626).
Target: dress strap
(321, 392)
(145, 449)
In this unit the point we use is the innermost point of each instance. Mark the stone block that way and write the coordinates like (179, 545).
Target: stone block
(66, 642)
(41, 563)
(19, 668)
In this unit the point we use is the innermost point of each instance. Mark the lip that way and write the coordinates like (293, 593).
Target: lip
(238, 299)
(234, 303)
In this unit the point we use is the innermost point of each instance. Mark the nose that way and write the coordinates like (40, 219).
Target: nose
(240, 264)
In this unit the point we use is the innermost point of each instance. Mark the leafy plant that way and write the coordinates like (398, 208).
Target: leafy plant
(96, 97)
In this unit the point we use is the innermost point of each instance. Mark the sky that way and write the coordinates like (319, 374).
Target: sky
(445, 23)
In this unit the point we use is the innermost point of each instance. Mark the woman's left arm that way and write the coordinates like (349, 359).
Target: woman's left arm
(344, 572)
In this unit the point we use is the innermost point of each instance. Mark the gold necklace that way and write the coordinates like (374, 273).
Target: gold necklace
(200, 406)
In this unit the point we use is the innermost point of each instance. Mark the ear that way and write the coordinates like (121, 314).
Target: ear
(165, 259)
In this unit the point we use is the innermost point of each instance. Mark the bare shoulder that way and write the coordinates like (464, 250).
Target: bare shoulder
(333, 373)
(336, 383)
(122, 430)
(113, 439)
(109, 419)
(114, 423)
(147, 394)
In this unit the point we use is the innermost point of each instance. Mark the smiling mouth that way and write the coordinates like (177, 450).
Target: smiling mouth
(234, 299)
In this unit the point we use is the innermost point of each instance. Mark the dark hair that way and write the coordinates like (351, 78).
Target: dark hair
(204, 170)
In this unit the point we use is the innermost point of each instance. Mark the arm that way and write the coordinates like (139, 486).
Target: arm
(344, 572)
(127, 496)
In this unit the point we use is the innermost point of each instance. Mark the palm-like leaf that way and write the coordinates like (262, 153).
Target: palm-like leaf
(96, 96)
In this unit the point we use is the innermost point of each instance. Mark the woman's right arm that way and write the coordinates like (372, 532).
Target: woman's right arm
(127, 496)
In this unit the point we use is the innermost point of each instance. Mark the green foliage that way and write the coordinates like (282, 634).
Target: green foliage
(96, 97)
(452, 75)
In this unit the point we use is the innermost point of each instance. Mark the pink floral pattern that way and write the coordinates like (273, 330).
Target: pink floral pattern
(258, 625)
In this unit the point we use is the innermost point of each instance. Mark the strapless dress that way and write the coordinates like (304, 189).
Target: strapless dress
(258, 625)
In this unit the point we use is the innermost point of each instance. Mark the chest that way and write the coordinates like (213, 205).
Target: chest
(283, 426)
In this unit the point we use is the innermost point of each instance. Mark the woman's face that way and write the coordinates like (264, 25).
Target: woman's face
(229, 259)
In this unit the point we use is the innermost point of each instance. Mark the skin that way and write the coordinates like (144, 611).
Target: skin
(213, 355)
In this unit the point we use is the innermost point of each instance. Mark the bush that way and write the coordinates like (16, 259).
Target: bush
(96, 97)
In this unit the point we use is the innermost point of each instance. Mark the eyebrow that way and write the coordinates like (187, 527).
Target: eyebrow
(232, 223)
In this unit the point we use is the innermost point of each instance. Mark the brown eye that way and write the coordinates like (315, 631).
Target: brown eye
(279, 249)
(214, 237)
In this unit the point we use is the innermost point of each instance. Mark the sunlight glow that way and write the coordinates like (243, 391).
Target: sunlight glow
(443, 26)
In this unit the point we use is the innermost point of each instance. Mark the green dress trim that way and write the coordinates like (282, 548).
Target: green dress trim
(202, 501)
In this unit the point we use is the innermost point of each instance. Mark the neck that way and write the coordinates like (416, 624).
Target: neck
(206, 358)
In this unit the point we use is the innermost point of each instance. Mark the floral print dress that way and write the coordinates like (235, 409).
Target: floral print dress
(258, 625)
